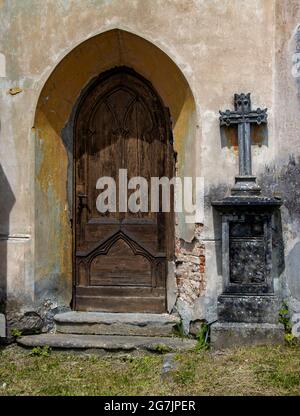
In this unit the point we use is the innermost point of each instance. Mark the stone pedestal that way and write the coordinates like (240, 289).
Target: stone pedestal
(247, 309)
(245, 185)
(229, 334)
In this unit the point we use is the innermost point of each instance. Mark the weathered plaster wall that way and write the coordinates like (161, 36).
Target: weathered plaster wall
(284, 174)
(219, 46)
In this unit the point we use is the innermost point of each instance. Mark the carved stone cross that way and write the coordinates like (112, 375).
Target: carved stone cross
(243, 116)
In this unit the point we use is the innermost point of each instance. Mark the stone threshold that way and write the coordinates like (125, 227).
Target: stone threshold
(108, 343)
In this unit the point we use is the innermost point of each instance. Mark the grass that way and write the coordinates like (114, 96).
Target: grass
(243, 371)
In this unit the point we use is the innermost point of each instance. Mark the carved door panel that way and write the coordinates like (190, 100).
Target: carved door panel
(120, 258)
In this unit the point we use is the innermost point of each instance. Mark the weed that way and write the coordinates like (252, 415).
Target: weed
(290, 339)
(285, 319)
(203, 337)
(16, 332)
(44, 351)
(161, 348)
(179, 330)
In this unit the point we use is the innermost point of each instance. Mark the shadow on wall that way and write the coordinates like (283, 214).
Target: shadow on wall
(278, 245)
(7, 201)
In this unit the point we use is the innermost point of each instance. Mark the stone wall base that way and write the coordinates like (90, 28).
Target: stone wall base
(235, 334)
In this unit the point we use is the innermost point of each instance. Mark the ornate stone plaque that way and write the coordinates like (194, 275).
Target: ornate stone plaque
(247, 252)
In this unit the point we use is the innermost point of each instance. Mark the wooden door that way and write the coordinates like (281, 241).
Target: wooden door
(120, 258)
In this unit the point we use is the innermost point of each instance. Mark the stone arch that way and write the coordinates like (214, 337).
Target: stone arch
(53, 145)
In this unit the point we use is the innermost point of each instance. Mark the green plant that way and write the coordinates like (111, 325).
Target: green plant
(290, 339)
(162, 348)
(203, 337)
(16, 332)
(179, 330)
(41, 351)
(285, 319)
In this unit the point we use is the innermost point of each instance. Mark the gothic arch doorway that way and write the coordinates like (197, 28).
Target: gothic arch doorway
(57, 105)
(120, 258)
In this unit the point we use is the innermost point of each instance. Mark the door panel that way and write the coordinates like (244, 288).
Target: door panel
(120, 267)
(121, 257)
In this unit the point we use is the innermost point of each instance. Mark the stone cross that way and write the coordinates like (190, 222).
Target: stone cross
(243, 116)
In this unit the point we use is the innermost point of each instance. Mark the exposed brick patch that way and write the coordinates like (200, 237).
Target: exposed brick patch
(190, 269)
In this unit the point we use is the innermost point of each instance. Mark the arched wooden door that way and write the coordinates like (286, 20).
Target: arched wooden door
(120, 258)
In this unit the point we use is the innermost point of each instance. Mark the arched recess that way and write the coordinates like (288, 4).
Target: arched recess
(53, 150)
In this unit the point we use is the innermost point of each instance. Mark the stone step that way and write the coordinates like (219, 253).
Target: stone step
(103, 323)
(109, 343)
